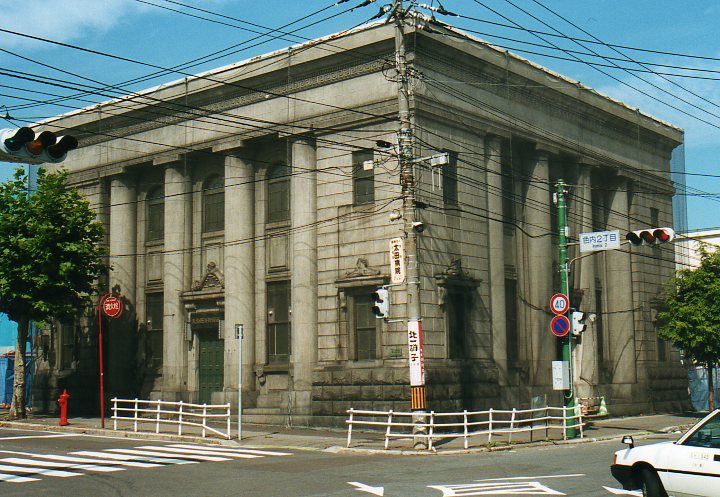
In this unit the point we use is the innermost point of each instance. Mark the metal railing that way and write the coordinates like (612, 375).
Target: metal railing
(182, 414)
(466, 425)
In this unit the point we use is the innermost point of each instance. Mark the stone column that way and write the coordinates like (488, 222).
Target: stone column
(585, 353)
(303, 211)
(176, 277)
(541, 344)
(120, 332)
(496, 253)
(239, 267)
(123, 236)
(619, 292)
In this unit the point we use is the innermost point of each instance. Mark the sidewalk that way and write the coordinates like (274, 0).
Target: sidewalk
(335, 440)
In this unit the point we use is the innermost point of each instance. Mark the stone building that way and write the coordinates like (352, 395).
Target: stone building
(259, 195)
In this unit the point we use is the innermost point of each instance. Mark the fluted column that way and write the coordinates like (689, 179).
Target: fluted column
(586, 354)
(539, 256)
(123, 236)
(176, 276)
(303, 194)
(496, 253)
(619, 291)
(239, 264)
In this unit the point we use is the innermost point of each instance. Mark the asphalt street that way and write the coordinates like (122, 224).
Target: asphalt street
(78, 465)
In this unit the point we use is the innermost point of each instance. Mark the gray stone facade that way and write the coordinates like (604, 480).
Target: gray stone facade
(295, 237)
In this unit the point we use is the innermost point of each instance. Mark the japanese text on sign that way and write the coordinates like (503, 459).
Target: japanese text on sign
(599, 240)
(416, 354)
(397, 261)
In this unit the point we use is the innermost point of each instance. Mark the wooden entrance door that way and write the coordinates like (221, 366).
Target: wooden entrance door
(211, 366)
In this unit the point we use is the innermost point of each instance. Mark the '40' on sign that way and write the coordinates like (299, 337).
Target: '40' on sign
(112, 306)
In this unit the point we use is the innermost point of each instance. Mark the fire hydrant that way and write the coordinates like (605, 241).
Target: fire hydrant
(63, 401)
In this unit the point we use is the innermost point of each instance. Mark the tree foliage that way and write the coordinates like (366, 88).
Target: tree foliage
(50, 255)
(691, 320)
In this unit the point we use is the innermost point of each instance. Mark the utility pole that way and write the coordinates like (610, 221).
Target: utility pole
(565, 290)
(407, 182)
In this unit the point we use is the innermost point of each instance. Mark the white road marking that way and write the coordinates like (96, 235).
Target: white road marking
(380, 491)
(36, 470)
(619, 491)
(112, 463)
(25, 437)
(160, 454)
(16, 479)
(232, 449)
(163, 461)
(51, 464)
(533, 477)
(498, 488)
(199, 452)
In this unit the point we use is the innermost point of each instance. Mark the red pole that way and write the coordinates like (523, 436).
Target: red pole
(100, 346)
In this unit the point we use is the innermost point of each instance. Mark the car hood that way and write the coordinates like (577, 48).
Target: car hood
(643, 453)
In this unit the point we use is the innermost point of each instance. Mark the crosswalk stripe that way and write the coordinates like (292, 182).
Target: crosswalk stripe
(37, 471)
(168, 455)
(16, 479)
(160, 461)
(63, 465)
(240, 450)
(114, 462)
(201, 452)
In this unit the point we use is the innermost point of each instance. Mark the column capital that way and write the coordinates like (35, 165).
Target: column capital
(306, 138)
(230, 146)
(169, 159)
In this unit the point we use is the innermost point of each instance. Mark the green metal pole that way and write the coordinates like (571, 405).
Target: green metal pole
(565, 290)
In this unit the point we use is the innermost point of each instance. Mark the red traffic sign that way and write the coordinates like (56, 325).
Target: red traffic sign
(559, 303)
(112, 306)
(560, 326)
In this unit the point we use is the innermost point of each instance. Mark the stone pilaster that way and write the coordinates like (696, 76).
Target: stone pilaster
(496, 253)
(123, 236)
(303, 209)
(619, 292)
(541, 346)
(239, 268)
(176, 277)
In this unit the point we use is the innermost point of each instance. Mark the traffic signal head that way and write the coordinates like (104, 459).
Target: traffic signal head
(578, 322)
(651, 236)
(22, 145)
(381, 307)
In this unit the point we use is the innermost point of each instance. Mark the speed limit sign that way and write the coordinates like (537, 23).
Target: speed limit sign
(559, 304)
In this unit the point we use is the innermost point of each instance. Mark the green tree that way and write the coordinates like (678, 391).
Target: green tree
(50, 256)
(691, 321)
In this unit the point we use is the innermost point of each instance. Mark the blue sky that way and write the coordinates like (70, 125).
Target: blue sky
(146, 32)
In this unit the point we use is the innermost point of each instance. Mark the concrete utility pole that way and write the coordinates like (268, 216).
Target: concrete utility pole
(565, 290)
(407, 182)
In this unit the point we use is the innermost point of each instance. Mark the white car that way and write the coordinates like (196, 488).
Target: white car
(689, 467)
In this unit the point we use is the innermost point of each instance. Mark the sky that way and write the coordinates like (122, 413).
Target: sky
(661, 41)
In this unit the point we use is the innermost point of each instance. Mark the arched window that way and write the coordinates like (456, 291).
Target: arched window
(156, 213)
(213, 204)
(278, 194)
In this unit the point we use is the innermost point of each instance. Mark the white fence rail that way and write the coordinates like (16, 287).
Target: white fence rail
(466, 425)
(182, 414)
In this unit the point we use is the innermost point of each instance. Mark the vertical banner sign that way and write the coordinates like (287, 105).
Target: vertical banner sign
(397, 261)
(416, 355)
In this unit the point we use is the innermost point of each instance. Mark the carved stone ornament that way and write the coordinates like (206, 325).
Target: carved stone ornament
(453, 276)
(213, 278)
(453, 271)
(362, 268)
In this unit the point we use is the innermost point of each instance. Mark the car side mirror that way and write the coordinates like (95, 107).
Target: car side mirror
(628, 440)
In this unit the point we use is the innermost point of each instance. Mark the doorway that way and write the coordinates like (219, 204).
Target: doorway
(211, 366)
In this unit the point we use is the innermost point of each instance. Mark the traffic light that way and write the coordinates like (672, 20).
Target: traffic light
(381, 308)
(21, 145)
(651, 236)
(578, 322)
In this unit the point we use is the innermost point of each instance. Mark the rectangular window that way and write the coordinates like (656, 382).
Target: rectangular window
(654, 217)
(365, 327)
(156, 221)
(456, 315)
(363, 178)
(278, 322)
(154, 316)
(511, 321)
(214, 219)
(599, 331)
(67, 353)
(450, 180)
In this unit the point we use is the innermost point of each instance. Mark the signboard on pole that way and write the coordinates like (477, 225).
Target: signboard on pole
(599, 240)
(560, 375)
(416, 354)
(112, 306)
(397, 261)
(560, 326)
(559, 303)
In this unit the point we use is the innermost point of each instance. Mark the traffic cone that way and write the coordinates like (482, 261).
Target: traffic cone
(602, 410)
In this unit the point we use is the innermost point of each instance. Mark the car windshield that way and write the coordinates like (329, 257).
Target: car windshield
(707, 435)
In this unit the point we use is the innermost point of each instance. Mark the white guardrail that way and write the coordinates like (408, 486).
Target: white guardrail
(466, 424)
(174, 413)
